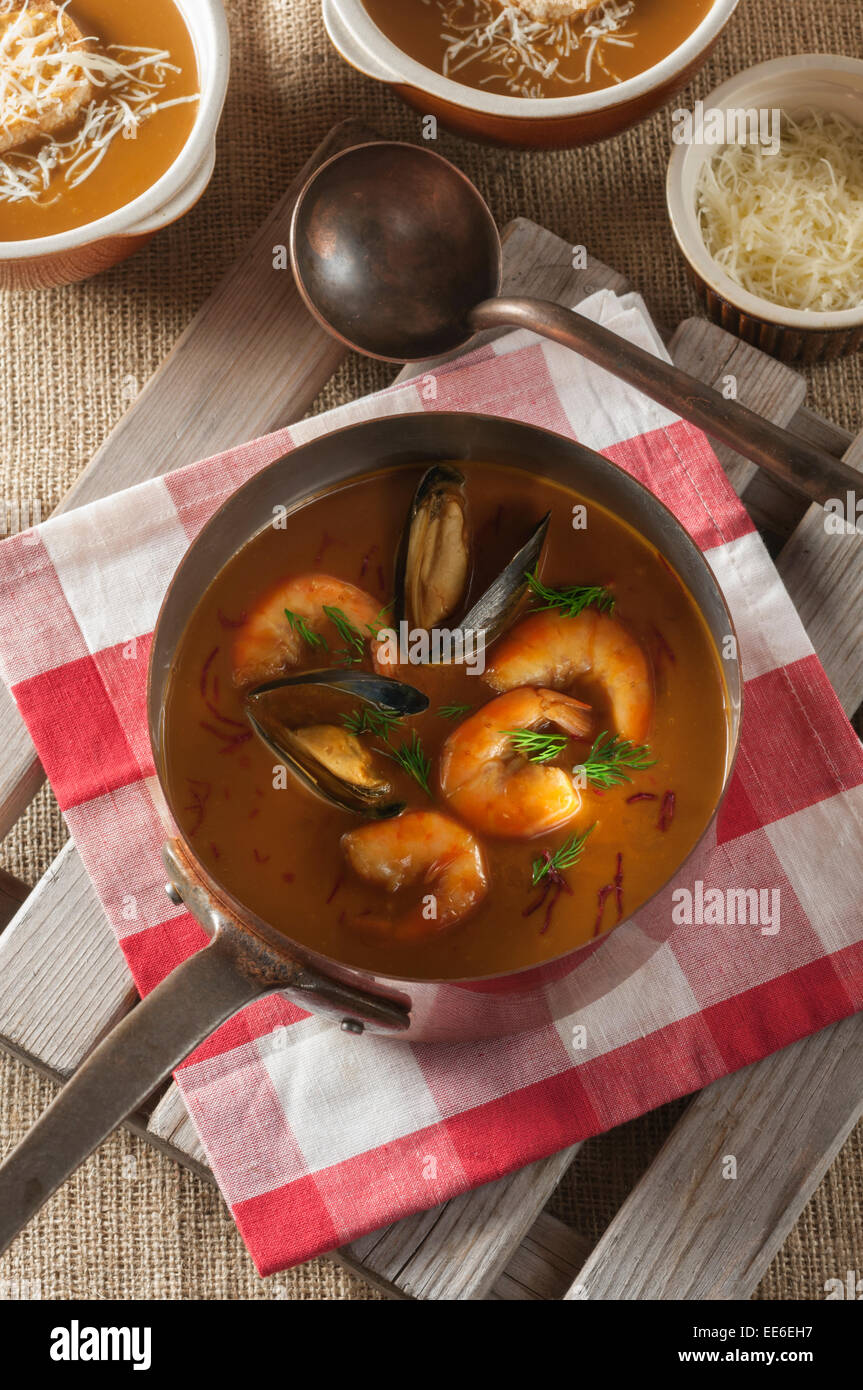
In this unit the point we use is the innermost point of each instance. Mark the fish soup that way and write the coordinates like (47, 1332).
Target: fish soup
(547, 785)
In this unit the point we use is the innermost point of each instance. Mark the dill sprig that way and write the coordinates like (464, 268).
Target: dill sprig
(454, 711)
(565, 857)
(538, 748)
(572, 600)
(354, 642)
(379, 722)
(379, 621)
(411, 756)
(609, 763)
(300, 626)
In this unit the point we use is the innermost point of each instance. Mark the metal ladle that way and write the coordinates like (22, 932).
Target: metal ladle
(397, 255)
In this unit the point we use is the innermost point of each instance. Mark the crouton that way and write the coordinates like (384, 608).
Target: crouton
(42, 88)
(550, 10)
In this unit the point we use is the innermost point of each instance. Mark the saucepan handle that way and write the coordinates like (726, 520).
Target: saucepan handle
(790, 459)
(160, 1033)
(120, 1074)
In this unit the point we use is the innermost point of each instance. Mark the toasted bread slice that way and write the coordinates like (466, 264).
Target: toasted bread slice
(42, 88)
(549, 10)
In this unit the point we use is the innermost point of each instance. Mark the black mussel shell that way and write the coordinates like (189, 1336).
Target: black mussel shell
(325, 756)
(433, 560)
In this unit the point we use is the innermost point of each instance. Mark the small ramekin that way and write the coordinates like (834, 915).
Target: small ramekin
(77, 254)
(543, 123)
(793, 84)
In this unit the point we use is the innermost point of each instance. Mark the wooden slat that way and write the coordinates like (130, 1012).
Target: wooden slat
(545, 1264)
(253, 329)
(64, 980)
(458, 1250)
(816, 430)
(772, 507)
(824, 575)
(539, 263)
(685, 1232)
(171, 1121)
(12, 894)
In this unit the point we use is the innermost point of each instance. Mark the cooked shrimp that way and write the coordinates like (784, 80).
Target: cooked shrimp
(490, 784)
(552, 650)
(269, 640)
(419, 848)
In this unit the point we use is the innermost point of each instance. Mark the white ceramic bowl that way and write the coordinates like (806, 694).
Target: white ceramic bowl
(81, 252)
(545, 122)
(812, 80)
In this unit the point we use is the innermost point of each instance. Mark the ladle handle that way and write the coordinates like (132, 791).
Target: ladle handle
(812, 471)
(119, 1075)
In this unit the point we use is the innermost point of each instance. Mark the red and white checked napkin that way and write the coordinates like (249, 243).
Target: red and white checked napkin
(315, 1136)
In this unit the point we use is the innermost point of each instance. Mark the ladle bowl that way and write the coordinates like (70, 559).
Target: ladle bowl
(396, 254)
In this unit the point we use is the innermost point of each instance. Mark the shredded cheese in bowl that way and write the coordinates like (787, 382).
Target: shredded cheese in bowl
(528, 43)
(788, 226)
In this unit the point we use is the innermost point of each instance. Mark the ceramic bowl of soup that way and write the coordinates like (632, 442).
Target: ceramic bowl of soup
(489, 71)
(127, 147)
(424, 775)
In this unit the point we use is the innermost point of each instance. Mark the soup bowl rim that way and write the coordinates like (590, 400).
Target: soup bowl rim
(375, 54)
(207, 24)
(246, 917)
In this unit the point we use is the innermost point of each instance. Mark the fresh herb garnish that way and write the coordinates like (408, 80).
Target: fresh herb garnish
(538, 748)
(379, 622)
(454, 711)
(411, 756)
(572, 600)
(379, 722)
(565, 857)
(609, 763)
(300, 626)
(354, 642)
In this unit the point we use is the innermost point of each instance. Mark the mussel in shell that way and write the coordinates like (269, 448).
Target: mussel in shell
(328, 757)
(433, 567)
(495, 610)
(433, 564)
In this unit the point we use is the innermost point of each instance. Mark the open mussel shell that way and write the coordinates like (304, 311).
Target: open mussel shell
(433, 560)
(328, 758)
(433, 566)
(495, 610)
(391, 695)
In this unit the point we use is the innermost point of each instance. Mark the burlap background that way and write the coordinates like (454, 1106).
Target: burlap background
(131, 1224)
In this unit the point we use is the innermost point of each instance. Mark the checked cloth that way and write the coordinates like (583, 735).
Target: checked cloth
(317, 1137)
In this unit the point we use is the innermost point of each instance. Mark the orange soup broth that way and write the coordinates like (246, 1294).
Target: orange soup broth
(278, 851)
(654, 30)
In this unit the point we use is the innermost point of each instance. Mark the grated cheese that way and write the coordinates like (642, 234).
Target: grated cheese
(123, 85)
(788, 227)
(526, 51)
(43, 82)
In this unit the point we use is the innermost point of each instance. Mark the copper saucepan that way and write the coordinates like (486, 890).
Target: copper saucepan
(248, 958)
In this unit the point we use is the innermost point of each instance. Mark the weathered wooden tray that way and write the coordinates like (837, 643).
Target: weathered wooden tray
(251, 361)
